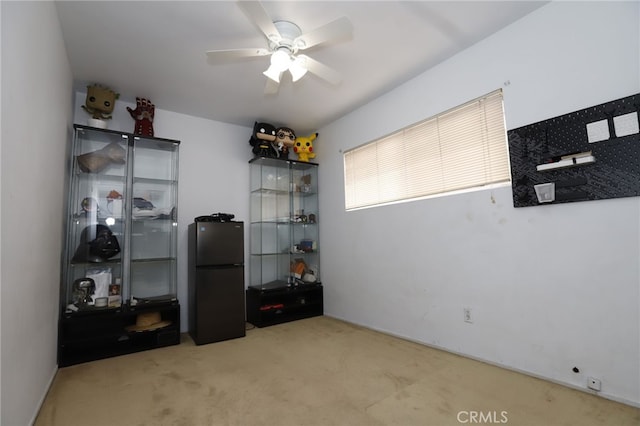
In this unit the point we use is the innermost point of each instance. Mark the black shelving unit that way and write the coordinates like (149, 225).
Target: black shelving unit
(285, 282)
(102, 333)
(119, 265)
(276, 306)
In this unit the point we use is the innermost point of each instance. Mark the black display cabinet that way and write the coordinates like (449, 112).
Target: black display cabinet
(285, 282)
(118, 291)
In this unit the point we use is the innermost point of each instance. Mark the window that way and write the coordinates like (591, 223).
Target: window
(462, 148)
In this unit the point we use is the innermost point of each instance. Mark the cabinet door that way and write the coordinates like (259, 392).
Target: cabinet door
(305, 245)
(153, 220)
(284, 229)
(270, 227)
(96, 226)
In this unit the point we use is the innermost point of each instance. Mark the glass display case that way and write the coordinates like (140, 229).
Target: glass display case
(120, 256)
(285, 280)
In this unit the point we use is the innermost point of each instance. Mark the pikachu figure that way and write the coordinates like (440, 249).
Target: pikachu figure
(304, 147)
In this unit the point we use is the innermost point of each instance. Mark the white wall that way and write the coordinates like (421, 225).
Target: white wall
(213, 172)
(214, 177)
(550, 287)
(36, 114)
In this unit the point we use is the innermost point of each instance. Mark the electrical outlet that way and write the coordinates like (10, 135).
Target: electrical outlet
(467, 315)
(593, 383)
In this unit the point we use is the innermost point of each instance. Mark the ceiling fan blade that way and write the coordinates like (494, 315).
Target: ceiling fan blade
(321, 70)
(220, 56)
(339, 28)
(271, 87)
(256, 13)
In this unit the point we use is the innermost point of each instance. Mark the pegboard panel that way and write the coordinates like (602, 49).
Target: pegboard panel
(590, 154)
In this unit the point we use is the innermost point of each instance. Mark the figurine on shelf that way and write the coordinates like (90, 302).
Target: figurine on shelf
(285, 139)
(89, 206)
(83, 290)
(99, 103)
(143, 115)
(304, 147)
(263, 140)
(305, 183)
(298, 268)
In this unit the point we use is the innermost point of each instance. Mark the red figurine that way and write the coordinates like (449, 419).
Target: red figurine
(143, 114)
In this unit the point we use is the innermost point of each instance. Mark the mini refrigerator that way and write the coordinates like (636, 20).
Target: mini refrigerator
(216, 281)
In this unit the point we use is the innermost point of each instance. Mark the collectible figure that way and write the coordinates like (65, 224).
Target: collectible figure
(97, 244)
(304, 147)
(263, 140)
(143, 115)
(100, 102)
(285, 139)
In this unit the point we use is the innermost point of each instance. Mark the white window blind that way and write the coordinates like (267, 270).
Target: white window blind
(462, 148)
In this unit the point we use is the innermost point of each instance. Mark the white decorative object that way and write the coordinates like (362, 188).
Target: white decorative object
(94, 122)
(546, 192)
(598, 131)
(626, 124)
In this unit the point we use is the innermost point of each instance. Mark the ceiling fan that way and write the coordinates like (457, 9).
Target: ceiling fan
(285, 39)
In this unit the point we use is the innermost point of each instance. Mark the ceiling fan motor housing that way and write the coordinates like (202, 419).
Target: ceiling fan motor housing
(288, 34)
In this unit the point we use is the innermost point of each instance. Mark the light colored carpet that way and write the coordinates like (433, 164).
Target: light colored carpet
(318, 371)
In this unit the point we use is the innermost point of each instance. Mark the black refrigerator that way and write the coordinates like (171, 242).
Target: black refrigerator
(216, 281)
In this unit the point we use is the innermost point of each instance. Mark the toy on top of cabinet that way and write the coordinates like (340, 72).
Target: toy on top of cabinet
(100, 103)
(285, 139)
(304, 147)
(263, 140)
(143, 115)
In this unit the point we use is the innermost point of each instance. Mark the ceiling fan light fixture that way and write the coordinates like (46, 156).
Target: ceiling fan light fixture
(297, 69)
(281, 60)
(273, 73)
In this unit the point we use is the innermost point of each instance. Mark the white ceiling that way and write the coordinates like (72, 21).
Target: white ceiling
(157, 50)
